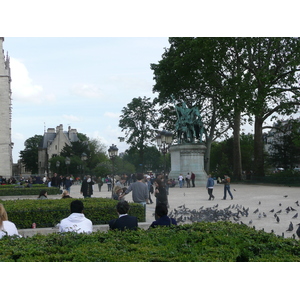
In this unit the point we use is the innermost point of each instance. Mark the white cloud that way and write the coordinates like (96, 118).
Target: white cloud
(22, 85)
(18, 136)
(86, 90)
(112, 115)
(71, 118)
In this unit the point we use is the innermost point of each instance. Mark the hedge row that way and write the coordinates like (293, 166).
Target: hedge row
(10, 186)
(49, 212)
(198, 242)
(21, 191)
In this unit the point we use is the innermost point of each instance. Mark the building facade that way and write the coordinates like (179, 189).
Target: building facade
(6, 144)
(54, 140)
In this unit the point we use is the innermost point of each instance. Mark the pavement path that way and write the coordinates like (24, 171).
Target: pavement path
(261, 197)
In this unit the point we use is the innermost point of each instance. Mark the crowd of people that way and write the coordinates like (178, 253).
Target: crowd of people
(143, 188)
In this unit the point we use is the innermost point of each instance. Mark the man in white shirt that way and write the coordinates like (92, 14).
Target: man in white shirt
(76, 221)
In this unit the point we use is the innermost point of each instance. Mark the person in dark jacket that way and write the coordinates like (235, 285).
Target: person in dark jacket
(161, 217)
(87, 187)
(124, 221)
(160, 192)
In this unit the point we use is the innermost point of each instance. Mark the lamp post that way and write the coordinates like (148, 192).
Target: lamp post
(57, 165)
(67, 162)
(113, 153)
(83, 158)
(164, 140)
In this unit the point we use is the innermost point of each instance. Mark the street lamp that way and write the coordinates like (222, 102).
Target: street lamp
(164, 140)
(67, 162)
(113, 153)
(57, 165)
(83, 158)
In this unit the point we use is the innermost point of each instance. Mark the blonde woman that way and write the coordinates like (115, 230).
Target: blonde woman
(6, 227)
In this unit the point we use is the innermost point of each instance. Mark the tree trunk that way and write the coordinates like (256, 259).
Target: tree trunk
(258, 148)
(237, 158)
(207, 156)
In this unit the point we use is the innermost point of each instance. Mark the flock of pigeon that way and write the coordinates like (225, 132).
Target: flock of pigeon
(236, 213)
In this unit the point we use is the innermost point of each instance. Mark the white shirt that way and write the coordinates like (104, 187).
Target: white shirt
(76, 222)
(8, 227)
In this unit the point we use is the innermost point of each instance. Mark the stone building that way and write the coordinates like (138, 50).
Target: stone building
(54, 140)
(5, 115)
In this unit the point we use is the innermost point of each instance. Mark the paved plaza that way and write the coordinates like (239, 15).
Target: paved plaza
(261, 197)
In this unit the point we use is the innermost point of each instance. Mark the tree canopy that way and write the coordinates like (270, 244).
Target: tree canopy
(231, 80)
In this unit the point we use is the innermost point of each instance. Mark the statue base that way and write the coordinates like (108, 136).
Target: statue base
(188, 158)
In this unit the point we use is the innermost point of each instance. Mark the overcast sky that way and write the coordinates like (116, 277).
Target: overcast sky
(79, 82)
(84, 82)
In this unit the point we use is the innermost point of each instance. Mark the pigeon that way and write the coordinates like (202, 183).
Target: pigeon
(234, 190)
(278, 212)
(295, 216)
(279, 204)
(250, 222)
(259, 215)
(272, 210)
(256, 211)
(264, 215)
(277, 219)
(293, 209)
(297, 203)
(298, 230)
(291, 227)
(259, 203)
(285, 196)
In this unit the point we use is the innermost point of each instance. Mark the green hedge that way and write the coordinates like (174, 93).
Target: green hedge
(198, 242)
(23, 191)
(47, 213)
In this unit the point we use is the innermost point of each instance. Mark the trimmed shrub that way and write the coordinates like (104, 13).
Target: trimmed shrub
(198, 242)
(19, 190)
(49, 212)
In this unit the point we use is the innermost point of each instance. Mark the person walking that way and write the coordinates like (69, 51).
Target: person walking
(139, 189)
(108, 182)
(188, 180)
(67, 184)
(180, 179)
(160, 192)
(193, 176)
(226, 182)
(210, 187)
(100, 183)
(87, 187)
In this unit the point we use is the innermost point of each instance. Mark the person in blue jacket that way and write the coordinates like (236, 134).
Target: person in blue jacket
(210, 187)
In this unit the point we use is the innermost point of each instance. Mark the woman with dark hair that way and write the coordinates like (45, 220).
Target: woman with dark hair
(43, 194)
(160, 192)
(161, 217)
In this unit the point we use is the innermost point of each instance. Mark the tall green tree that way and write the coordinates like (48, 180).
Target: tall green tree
(139, 121)
(284, 150)
(204, 73)
(273, 65)
(29, 155)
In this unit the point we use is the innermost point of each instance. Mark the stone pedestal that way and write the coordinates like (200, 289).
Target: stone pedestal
(188, 158)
